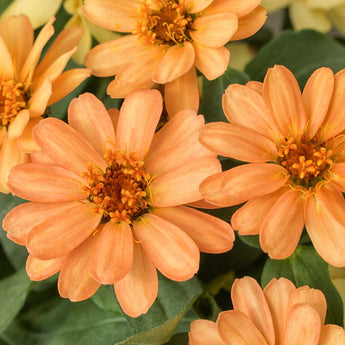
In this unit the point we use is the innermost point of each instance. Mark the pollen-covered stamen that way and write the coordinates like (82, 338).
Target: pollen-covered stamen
(163, 22)
(12, 100)
(120, 192)
(306, 161)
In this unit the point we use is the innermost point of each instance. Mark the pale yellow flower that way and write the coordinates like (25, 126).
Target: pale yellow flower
(319, 15)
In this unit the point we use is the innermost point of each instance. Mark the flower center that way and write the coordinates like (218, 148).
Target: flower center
(163, 22)
(12, 100)
(306, 161)
(119, 192)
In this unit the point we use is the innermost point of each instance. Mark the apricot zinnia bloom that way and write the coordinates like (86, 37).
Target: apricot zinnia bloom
(27, 88)
(279, 314)
(107, 204)
(168, 38)
(296, 149)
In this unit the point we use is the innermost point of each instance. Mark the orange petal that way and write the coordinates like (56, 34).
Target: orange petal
(117, 89)
(139, 116)
(170, 249)
(41, 157)
(338, 175)
(214, 30)
(89, 117)
(242, 183)
(319, 83)
(211, 62)
(61, 233)
(6, 67)
(181, 185)
(204, 332)
(277, 294)
(66, 145)
(17, 127)
(118, 16)
(67, 82)
(42, 269)
(182, 93)
(283, 225)
(326, 226)
(249, 24)
(332, 334)
(75, 281)
(19, 221)
(18, 35)
(194, 6)
(247, 297)
(112, 256)
(138, 289)
(303, 326)
(283, 97)
(177, 61)
(45, 183)
(256, 86)
(235, 327)
(240, 8)
(238, 142)
(211, 234)
(245, 107)
(101, 59)
(39, 99)
(249, 218)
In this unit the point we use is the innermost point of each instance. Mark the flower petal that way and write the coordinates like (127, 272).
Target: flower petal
(211, 234)
(66, 145)
(61, 233)
(89, 117)
(42, 269)
(45, 183)
(332, 334)
(326, 226)
(242, 183)
(170, 249)
(211, 62)
(17, 127)
(238, 142)
(194, 6)
(19, 221)
(248, 298)
(117, 89)
(204, 332)
(283, 97)
(112, 255)
(182, 93)
(319, 83)
(181, 185)
(139, 116)
(240, 8)
(214, 30)
(137, 291)
(6, 67)
(235, 327)
(39, 99)
(283, 225)
(75, 281)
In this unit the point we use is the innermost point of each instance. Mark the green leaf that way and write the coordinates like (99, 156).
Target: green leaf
(13, 292)
(100, 320)
(212, 93)
(305, 267)
(302, 52)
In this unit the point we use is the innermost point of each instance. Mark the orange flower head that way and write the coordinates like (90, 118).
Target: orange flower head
(294, 144)
(167, 40)
(28, 87)
(113, 205)
(278, 314)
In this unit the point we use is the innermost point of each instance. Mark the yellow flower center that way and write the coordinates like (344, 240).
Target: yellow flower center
(306, 161)
(12, 100)
(119, 192)
(163, 22)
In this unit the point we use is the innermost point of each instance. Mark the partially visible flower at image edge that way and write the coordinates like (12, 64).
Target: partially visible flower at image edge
(167, 40)
(27, 87)
(109, 200)
(295, 146)
(280, 314)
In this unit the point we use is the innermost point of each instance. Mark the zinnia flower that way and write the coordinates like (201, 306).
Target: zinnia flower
(295, 147)
(107, 202)
(319, 15)
(168, 40)
(27, 88)
(279, 314)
